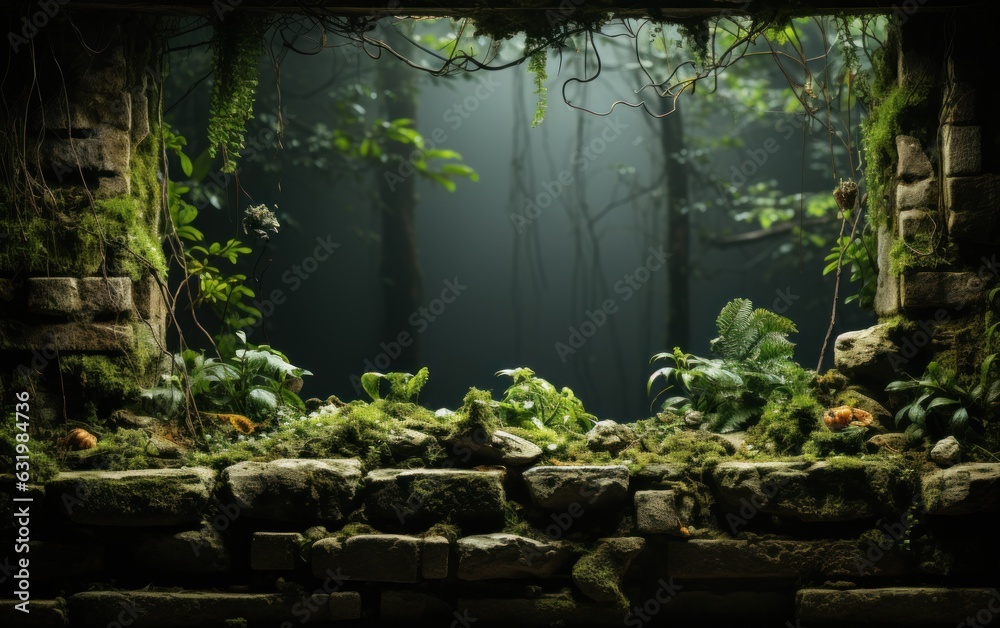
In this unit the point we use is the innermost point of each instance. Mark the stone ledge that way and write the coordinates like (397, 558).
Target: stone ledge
(902, 606)
(545, 610)
(154, 497)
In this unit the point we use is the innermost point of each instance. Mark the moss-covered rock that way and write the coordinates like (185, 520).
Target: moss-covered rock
(786, 424)
(421, 496)
(294, 490)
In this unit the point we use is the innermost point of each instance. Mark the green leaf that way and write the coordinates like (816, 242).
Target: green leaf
(370, 383)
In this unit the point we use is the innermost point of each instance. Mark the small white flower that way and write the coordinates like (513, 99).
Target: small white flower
(528, 405)
(552, 447)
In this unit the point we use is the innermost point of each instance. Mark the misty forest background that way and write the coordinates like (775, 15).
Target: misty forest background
(560, 228)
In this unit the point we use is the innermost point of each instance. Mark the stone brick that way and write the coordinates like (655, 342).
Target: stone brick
(434, 557)
(961, 150)
(294, 489)
(275, 551)
(913, 163)
(887, 287)
(102, 337)
(140, 117)
(151, 306)
(939, 289)
(962, 489)
(369, 557)
(419, 496)
(916, 606)
(88, 114)
(149, 497)
(53, 295)
(169, 609)
(44, 613)
(345, 605)
(656, 512)
(972, 194)
(106, 153)
(918, 195)
(739, 559)
(501, 555)
(912, 222)
(974, 208)
(556, 488)
(959, 103)
(111, 296)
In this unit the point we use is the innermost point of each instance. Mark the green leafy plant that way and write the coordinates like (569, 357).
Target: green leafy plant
(532, 401)
(255, 382)
(403, 387)
(942, 406)
(226, 294)
(754, 362)
(855, 254)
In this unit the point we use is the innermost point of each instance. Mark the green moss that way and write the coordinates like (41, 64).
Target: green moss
(921, 254)
(824, 443)
(896, 109)
(44, 457)
(122, 450)
(447, 530)
(477, 413)
(100, 384)
(786, 424)
(77, 238)
(598, 570)
(354, 529)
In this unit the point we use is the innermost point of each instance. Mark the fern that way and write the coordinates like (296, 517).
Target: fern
(754, 363)
(753, 336)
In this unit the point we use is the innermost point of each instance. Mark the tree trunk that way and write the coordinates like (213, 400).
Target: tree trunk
(678, 323)
(399, 266)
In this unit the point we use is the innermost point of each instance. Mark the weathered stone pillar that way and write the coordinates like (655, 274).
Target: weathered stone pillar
(82, 320)
(939, 217)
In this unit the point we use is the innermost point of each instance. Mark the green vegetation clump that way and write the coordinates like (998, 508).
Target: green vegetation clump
(787, 424)
(824, 443)
(598, 569)
(100, 384)
(922, 253)
(754, 364)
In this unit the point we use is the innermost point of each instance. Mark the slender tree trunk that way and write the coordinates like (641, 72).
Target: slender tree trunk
(678, 323)
(399, 265)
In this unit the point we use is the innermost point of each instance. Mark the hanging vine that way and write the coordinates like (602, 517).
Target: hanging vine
(237, 44)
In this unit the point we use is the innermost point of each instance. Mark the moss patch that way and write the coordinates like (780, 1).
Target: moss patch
(786, 425)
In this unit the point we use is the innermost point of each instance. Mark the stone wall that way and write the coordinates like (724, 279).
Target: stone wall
(80, 208)
(278, 543)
